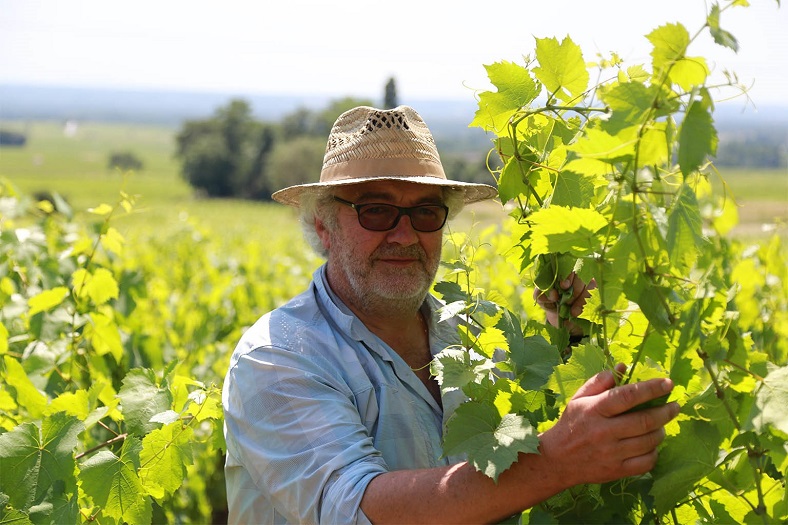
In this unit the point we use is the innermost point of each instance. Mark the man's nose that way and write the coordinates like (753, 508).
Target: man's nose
(403, 233)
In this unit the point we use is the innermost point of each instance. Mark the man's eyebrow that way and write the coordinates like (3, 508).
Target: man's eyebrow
(387, 196)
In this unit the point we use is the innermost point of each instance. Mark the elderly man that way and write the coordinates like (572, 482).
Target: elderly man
(331, 413)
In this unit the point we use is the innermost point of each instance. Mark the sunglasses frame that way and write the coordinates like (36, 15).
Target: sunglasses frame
(401, 210)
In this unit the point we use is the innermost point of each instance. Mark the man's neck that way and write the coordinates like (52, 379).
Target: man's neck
(399, 323)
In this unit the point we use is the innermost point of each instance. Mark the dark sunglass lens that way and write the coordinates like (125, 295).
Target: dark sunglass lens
(378, 217)
(428, 218)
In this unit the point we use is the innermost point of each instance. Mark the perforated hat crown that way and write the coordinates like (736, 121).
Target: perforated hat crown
(367, 144)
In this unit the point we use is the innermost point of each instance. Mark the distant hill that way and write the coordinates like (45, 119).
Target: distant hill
(171, 107)
(767, 126)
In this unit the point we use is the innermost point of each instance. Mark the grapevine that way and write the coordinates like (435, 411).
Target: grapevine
(610, 180)
(112, 351)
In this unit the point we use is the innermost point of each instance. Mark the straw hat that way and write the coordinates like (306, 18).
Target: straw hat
(368, 144)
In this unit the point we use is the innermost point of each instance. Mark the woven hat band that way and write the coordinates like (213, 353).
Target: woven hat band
(375, 168)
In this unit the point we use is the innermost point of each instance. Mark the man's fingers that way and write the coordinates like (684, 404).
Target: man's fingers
(596, 385)
(626, 397)
(634, 466)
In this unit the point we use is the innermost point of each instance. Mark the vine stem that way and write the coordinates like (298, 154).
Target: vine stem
(78, 290)
(751, 452)
(108, 443)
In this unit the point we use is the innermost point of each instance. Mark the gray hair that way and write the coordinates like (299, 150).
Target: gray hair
(321, 204)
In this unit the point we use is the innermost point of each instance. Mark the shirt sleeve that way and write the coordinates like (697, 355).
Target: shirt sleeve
(295, 428)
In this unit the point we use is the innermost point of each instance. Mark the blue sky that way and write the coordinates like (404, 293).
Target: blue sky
(433, 49)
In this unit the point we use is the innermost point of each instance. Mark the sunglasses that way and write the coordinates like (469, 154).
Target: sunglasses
(379, 217)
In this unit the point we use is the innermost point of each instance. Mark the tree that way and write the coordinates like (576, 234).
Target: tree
(225, 156)
(296, 161)
(390, 95)
(317, 123)
(124, 161)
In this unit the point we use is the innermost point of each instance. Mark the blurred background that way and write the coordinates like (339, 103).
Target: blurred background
(89, 88)
(158, 130)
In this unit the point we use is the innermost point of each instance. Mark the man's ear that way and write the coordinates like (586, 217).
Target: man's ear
(324, 233)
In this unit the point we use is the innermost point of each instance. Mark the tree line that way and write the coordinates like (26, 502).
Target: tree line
(232, 154)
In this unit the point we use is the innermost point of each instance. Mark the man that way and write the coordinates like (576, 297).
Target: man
(331, 414)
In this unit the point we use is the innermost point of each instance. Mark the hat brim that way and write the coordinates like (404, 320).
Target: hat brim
(472, 192)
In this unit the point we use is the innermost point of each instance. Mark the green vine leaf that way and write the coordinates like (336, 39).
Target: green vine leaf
(561, 68)
(114, 485)
(559, 229)
(586, 361)
(697, 138)
(515, 89)
(166, 452)
(684, 459)
(721, 37)
(684, 236)
(38, 462)
(771, 402)
(47, 300)
(630, 103)
(573, 190)
(689, 72)
(100, 286)
(670, 43)
(27, 395)
(491, 442)
(142, 398)
(515, 178)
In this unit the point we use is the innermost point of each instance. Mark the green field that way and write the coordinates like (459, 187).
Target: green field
(75, 166)
(92, 321)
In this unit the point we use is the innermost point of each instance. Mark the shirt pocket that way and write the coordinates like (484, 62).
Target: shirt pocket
(402, 425)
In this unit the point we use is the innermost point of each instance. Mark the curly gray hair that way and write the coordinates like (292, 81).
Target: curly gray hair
(321, 204)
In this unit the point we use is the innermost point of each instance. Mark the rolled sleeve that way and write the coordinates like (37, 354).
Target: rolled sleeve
(297, 432)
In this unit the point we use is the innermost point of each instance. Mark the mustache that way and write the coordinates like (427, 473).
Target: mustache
(413, 251)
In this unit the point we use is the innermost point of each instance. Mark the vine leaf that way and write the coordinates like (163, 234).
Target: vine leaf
(771, 402)
(100, 286)
(103, 334)
(451, 292)
(587, 360)
(491, 442)
(516, 89)
(454, 368)
(27, 395)
(515, 175)
(113, 483)
(629, 103)
(684, 236)
(561, 68)
(38, 463)
(670, 43)
(142, 398)
(572, 190)
(600, 145)
(558, 229)
(46, 300)
(534, 362)
(697, 138)
(683, 460)
(721, 37)
(166, 452)
(689, 72)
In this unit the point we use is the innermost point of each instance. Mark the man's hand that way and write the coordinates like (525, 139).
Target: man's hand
(550, 300)
(596, 440)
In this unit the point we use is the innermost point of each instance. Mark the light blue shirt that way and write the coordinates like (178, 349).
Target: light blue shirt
(316, 406)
